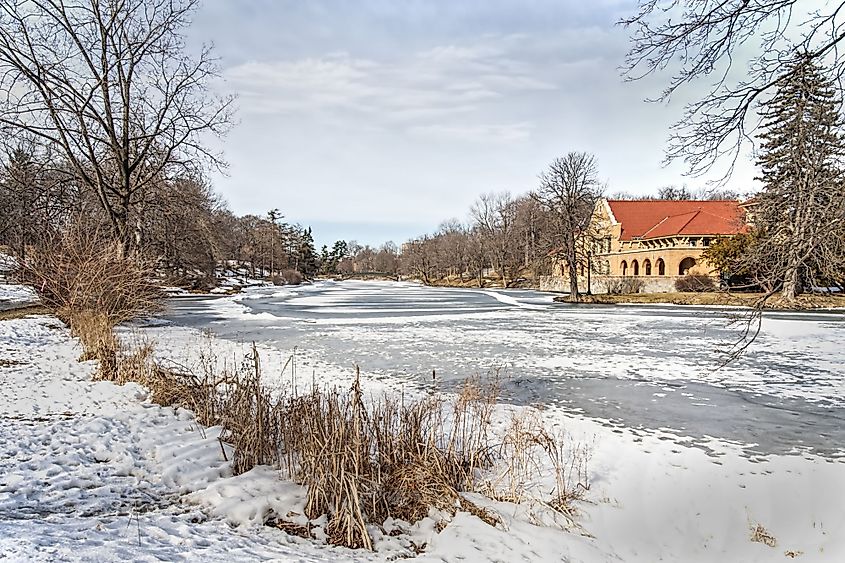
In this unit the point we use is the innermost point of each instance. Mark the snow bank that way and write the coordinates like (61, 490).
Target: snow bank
(91, 471)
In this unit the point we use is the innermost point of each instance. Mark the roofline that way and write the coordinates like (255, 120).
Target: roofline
(678, 200)
(703, 235)
(609, 210)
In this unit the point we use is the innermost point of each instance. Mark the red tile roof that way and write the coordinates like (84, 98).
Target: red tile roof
(665, 218)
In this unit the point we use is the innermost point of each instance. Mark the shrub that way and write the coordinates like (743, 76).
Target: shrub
(80, 270)
(288, 277)
(695, 283)
(624, 285)
(87, 280)
(292, 277)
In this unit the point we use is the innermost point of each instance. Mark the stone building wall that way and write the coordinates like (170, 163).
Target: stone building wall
(599, 283)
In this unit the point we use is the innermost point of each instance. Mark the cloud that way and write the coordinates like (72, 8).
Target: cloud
(495, 133)
(424, 91)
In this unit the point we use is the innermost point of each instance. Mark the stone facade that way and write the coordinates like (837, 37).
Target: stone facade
(599, 283)
(652, 240)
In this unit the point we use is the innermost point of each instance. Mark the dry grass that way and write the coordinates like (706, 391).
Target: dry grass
(94, 331)
(82, 270)
(364, 461)
(22, 312)
(808, 301)
(761, 535)
(361, 459)
(526, 449)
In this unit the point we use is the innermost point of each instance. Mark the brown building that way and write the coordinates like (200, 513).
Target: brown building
(656, 240)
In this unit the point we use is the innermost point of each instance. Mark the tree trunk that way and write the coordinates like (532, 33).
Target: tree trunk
(572, 263)
(790, 283)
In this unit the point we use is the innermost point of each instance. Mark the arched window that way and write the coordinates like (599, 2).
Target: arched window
(661, 267)
(686, 265)
(636, 267)
(624, 268)
(607, 267)
(647, 267)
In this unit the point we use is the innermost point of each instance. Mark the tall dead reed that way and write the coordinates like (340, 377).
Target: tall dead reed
(527, 450)
(363, 459)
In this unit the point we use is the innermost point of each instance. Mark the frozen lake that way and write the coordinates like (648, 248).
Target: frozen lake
(642, 367)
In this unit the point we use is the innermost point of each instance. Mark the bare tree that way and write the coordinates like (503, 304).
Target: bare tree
(386, 260)
(417, 259)
(674, 193)
(569, 190)
(108, 83)
(494, 215)
(451, 249)
(708, 39)
(38, 195)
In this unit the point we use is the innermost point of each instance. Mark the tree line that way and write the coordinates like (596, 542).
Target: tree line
(180, 224)
(512, 237)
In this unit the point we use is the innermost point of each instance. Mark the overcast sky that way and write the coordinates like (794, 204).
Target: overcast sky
(375, 120)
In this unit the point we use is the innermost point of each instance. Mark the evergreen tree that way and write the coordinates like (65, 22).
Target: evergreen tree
(800, 213)
(324, 259)
(309, 262)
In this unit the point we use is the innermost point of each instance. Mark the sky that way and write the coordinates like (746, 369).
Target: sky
(376, 120)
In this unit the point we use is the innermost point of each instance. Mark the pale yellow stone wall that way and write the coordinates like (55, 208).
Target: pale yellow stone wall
(615, 257)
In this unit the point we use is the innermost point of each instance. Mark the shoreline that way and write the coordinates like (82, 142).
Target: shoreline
(805, 302)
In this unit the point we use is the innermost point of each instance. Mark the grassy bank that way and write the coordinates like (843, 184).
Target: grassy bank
(813, 301)
(23, 311)
(489, 282)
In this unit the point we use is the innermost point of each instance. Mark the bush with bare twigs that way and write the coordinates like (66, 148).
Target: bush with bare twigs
(624, 285)
(88, 281)
(80, 269)
(695, 283)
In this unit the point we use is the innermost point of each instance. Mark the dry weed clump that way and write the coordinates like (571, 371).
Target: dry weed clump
(362, 459)
(94, 331)
(528, 447)
(249, 416)
(760, 534)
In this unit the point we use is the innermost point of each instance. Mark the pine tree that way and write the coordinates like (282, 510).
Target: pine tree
(801, 211)
(309, 262)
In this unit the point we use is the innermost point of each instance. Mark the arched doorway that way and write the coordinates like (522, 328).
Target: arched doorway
(636, 267)
(661, 267)
(646, 267)
(686, 265)
(624, 268)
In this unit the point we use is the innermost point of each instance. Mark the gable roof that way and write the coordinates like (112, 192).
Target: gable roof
(657, 218)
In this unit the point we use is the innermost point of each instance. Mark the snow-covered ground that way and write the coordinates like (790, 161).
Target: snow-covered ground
(15, 295)
(92, 471)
